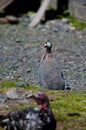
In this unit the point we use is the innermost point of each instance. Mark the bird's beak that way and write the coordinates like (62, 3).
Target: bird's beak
(29, 95)
(44, 44)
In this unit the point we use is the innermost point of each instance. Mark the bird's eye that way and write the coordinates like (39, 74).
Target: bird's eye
(39, 94)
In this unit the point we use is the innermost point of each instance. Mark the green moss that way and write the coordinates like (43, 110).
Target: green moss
(70, 103)
(1, 128)
(2, 11)
(8, 83)
(51, 8)
(76, 23)
(30, 13)
(5, 84)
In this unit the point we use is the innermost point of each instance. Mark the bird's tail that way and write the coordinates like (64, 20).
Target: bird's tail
(3, 120)
(1, 117)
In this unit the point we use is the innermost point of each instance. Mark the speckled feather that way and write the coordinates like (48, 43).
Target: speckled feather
(30, 118)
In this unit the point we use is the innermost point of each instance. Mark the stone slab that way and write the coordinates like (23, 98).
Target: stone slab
(77, 10)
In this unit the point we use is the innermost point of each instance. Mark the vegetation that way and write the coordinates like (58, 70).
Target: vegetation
(76, 23)
(69, 107)
(2, 11)
(52, 14)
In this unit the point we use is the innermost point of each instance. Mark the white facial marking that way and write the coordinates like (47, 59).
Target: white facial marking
(48, 44)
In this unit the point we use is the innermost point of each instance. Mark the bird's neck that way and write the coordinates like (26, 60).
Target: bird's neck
(47, 55)
(46, 110)
(44, 106)
(48, 50)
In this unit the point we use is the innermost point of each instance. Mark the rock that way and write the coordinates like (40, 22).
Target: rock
(3, 20)
(2, 98)
(20, 84)
(12, 19)
(12, 93)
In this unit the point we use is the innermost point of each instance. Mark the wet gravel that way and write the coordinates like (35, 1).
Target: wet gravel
(21, 49)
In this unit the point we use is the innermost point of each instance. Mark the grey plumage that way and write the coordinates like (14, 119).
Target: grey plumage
(50, 75)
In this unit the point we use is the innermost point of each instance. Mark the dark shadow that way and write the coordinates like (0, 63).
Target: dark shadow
(18, 7)
(50, 14)
(61, 6)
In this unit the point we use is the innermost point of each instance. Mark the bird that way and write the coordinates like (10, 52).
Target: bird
(32, 118)
(50, 75)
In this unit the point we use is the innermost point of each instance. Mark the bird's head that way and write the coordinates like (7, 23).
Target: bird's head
(41, 99)
(48, 46)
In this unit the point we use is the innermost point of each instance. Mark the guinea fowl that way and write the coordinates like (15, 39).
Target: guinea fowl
(31, 118)
(50, 75)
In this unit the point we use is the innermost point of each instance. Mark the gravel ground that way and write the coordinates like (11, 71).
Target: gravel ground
(21, 49)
